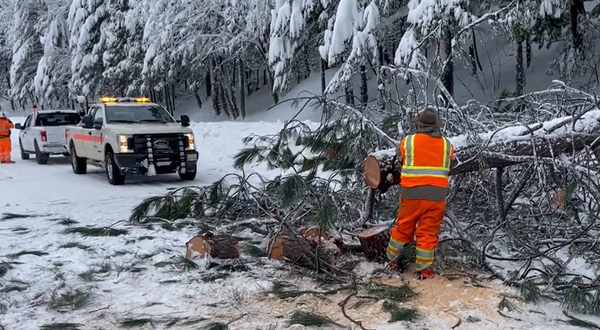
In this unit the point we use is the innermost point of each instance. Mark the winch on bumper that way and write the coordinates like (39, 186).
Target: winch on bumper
(157, 154)
(140, 164)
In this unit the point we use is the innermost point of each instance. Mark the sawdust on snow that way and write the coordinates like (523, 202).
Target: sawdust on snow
(447, 299)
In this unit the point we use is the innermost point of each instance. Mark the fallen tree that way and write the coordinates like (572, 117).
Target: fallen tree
(511, 145)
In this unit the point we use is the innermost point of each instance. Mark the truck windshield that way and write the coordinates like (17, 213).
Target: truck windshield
(137, 114)
(57, 119)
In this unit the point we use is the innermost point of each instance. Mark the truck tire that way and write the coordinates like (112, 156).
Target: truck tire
(78, 164)
(40, 157)
(24, 154)
(113, 174)
(188, 175)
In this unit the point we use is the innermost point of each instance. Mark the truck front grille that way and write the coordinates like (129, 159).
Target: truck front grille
(162, 144)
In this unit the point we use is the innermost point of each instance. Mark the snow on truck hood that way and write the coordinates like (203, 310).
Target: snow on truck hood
(152, 128)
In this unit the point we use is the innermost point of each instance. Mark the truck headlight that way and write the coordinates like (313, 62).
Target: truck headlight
(123, 144)
(191, 144)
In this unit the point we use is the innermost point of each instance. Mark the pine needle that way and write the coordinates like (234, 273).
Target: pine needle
(309, 319)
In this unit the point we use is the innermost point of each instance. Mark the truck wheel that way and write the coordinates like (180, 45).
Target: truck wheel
(40, 157)
(188, 175)
(113, 174)
(24, 155)
(78, 164)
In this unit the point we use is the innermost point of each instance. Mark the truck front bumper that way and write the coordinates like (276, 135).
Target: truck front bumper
(136, 163)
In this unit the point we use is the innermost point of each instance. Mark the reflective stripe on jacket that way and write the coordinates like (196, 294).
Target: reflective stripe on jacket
(425, 160)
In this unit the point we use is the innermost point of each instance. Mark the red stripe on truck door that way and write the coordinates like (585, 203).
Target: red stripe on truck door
(83, 137)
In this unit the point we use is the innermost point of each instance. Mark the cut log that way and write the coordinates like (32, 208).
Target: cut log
(374, 242)
(380, 170)
(541, 140)
(298, 250)
(217, 246)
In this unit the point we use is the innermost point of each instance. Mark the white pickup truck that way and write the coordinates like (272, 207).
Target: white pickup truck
(43, 133)
(132, 136)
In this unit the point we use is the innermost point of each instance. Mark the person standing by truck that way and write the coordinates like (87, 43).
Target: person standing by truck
(5, 144)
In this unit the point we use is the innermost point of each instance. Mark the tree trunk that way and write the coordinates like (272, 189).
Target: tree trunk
(242, 81)
(374, 242)
(519, 69)
(364, 88)
(217, 246)
(269, 80)
(323, 78)
(382, 171)
(198, 98)
(208, 83)
(575, 10)
(349, 89)
(381, 90)
(300, 251)
(528, 50)
(173, 99)
(448, 73)
(214, 91)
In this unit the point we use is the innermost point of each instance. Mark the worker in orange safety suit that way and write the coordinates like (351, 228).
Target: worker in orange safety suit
(425, 157)
(5, 144)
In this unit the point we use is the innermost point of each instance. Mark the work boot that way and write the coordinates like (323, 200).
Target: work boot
(424, 274)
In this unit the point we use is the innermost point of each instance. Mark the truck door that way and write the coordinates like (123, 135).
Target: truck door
(98, 120)
(26, 134)
(84, 140)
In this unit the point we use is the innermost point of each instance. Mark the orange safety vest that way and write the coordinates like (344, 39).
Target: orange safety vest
(425, 160)
(5, 127)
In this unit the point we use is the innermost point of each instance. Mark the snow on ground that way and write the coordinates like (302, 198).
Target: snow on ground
(52, 271)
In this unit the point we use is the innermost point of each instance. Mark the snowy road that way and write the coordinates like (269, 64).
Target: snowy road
(51, 271)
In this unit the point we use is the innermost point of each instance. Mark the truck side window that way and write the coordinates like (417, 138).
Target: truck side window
(99, 115)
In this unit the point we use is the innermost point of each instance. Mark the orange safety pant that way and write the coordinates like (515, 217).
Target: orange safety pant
(5, 149)
(420, 215)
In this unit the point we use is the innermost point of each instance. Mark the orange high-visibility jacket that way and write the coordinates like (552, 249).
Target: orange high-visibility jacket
(425, 160)
(5, 126)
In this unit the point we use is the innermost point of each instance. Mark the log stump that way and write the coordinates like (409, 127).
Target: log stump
(374, 242)
(217, 246)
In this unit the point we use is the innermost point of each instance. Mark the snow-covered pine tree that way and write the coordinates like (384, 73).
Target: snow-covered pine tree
(54, 68)
(24, 37)
(122, 56)
(5, 51)
(351, 39)
(87, 45)
(295, 24)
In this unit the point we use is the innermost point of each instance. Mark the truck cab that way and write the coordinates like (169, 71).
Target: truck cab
(132, 136)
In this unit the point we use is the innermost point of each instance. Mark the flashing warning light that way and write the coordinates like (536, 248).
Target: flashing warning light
(142, 99)
(106, 99)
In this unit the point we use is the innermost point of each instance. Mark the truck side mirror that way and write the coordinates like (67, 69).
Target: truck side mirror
(185, 120)
(98, 123)
(87, 122)
(18, 126)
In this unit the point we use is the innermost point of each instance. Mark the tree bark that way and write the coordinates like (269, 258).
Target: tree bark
(519, 69)
(323, 80)
(364, 88)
